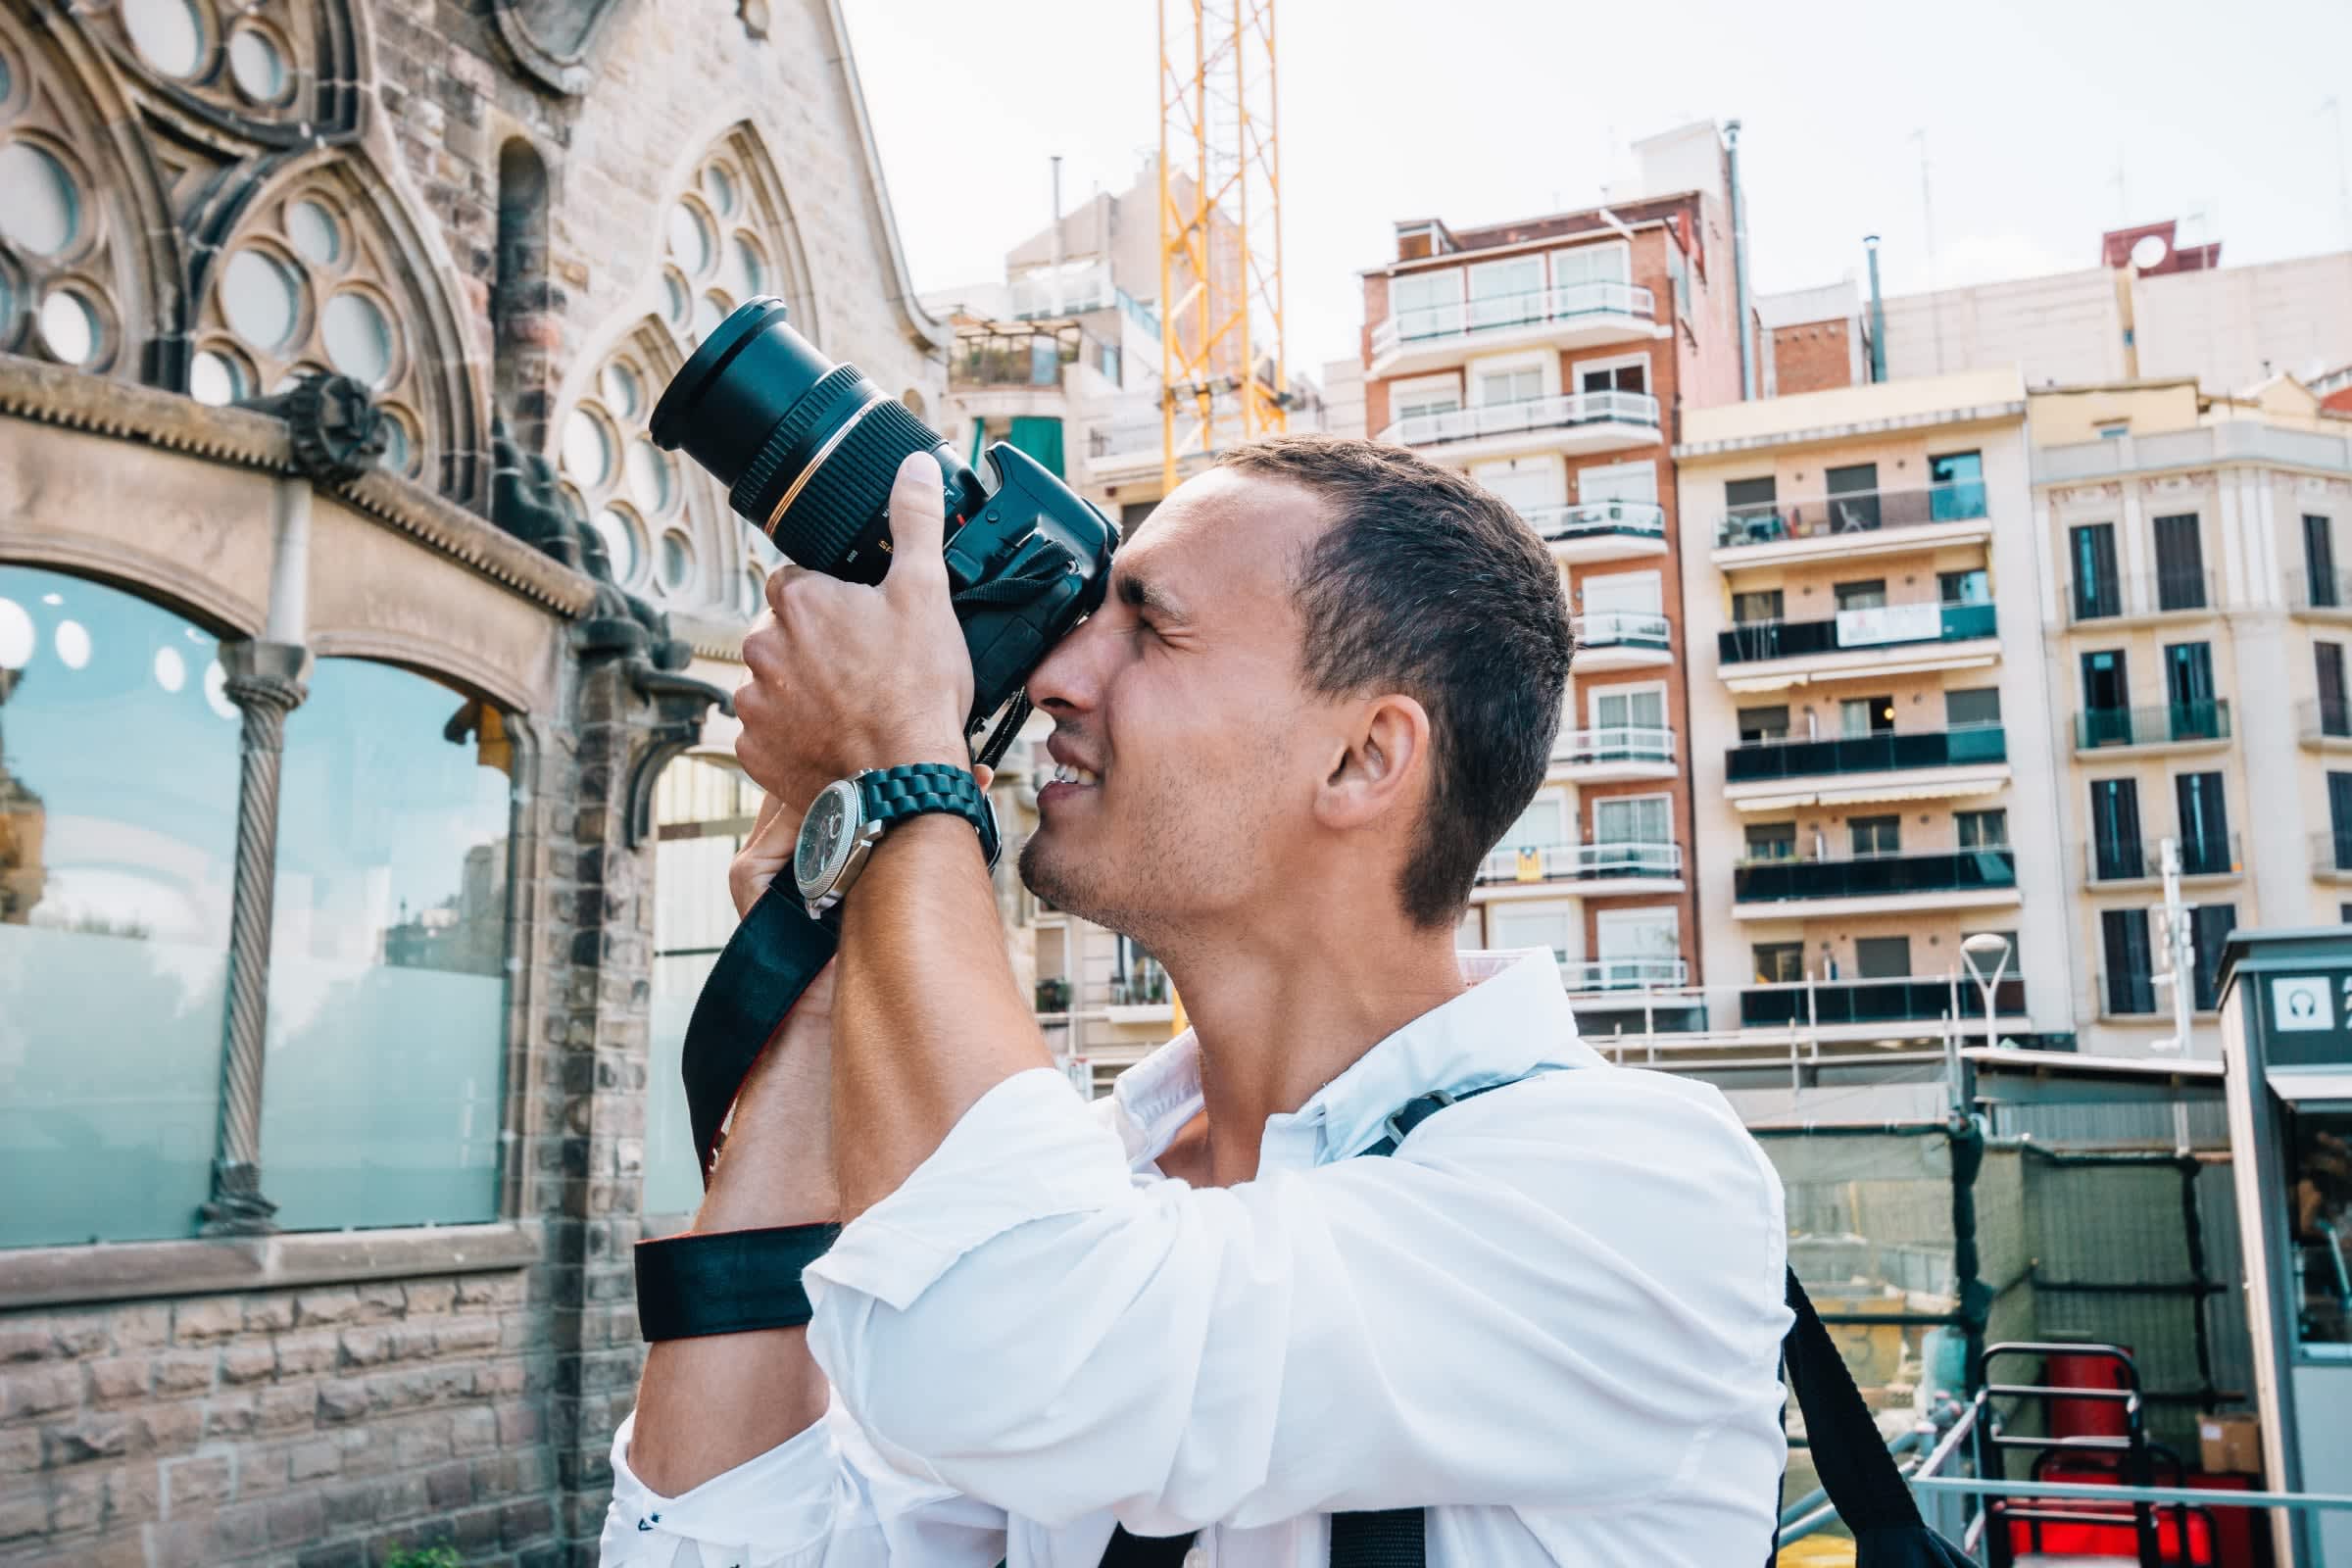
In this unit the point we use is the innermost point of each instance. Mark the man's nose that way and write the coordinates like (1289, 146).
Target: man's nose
(1068, 679)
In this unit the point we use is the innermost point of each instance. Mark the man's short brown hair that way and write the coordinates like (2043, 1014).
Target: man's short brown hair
(1427, 584)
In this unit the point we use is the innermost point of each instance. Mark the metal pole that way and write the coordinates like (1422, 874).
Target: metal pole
(1748, 353)
(2179, 942)
(1055, 249)
(1878, 313)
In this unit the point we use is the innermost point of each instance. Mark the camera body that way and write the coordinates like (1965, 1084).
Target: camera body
(809, 451)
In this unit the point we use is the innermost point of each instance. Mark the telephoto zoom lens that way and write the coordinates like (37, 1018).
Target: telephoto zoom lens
(807, 449)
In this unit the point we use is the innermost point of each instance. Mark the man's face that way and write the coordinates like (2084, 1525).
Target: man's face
(1183, 698)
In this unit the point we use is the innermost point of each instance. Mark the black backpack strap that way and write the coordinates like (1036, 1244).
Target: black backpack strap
(1146, 1552)
(1857, 1470)
(1390, 1538)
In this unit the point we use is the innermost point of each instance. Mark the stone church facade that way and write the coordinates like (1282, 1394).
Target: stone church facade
(356, 860)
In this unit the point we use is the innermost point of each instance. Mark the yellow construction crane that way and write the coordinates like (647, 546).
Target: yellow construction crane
(1223, 376)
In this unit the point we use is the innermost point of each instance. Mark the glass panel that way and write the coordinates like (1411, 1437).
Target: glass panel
(216, 378)
(387, 973)
(1637, 934)
(314, 233)
(1881, 957)
(2125, 937)
(2180, 563)
(1539, 825)
(1877, 835)
(691, 242)
(1983, 830)
(1853, 497)
(1619, 481)
(619, 534)
(1779, 963)
(1760, 724)
(1540, 925)
(39, 206)
(2097, 592)
(1592, 264)
(587, 449)
(358, 338)
(1510, 386)
(262, 298)
(746, 274)
(70, 327)
(708, 311)
(1958, 482)
(1639, 820)
(1868, 595)
(651, 481)
(720, 185)
(169, 33)
(1972, 586)
(257, 65)
(1760, 605)
(621, 388)
(1771, 841)
(677, 560)
(1975, 704)
(1420, 291)
(1636, 591)
(114, 879)
(2319, 1219)
(2319, 562)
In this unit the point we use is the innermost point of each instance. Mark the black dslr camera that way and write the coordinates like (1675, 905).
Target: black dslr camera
(809, 449)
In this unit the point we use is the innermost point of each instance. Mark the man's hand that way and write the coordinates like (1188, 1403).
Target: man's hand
(844, 676)
(765, 855)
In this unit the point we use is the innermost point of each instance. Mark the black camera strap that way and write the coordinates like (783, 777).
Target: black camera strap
(773, 957)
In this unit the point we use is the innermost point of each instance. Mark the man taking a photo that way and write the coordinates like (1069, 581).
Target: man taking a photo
(1325, 682)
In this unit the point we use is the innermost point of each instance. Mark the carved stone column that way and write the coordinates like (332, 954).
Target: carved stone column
(265, 680)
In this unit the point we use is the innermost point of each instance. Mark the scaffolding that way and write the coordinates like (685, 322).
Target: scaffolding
(1224, 375)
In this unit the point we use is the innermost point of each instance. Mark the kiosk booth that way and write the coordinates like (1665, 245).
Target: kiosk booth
(2286, 1043)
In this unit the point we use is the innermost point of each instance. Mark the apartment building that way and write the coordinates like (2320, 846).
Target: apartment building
(1870, 731)
(2198, 619)
(1548, 359)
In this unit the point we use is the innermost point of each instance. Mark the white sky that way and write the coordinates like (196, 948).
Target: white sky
(1475, 111)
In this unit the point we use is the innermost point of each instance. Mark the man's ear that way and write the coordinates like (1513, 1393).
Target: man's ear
(1380, 766)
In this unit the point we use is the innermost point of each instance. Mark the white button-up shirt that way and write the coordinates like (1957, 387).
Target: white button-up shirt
(1552, 1318)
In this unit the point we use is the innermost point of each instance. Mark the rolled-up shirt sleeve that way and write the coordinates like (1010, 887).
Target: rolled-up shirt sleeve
(1556, 1295)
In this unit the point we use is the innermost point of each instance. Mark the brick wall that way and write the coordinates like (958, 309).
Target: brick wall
(1813, 356)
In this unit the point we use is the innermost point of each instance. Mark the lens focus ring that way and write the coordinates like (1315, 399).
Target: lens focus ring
(795, 436)
(848, 493)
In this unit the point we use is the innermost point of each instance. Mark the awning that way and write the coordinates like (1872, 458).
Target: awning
(2301, 1087)
(1956, 787)
(1855, 671)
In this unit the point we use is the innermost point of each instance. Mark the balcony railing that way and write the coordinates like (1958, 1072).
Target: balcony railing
(1577, 862)
(1578, 519)
(1910, 999)
(1468, 318)
(2331, 851)
(1776, 881)
(1613, 743)
(1621, 628)
(1887, 625)
(2167, 593)
(1855, 512)
(2173, 724)
(1625, 975)
(2130, 861)
(1530, 414)
(2330, 590)
(1866, 754)
(2323, 719)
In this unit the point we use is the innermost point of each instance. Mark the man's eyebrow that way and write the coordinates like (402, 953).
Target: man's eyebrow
(1139, 592)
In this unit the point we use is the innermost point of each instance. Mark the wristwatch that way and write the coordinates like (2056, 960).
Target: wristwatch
(850, 815)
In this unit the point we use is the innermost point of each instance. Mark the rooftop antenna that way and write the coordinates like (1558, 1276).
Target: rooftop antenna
(1927, 218)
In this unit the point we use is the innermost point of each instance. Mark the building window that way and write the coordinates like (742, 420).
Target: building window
(1761, 725)
(1771, 841)
(1983, 830)
(1757, 607)
(1607, 263)
(1881, 957)
(2189, 683)
(1866, 715)
(2209, 925)
(1875, 835)
(118, 844)
(2336, 703)
(1866, 595)
(1637, 947)
(1972, 586)
(2117, 854)
(2106, 699)
(1633, 819)
(1522, 385)
(2204, 825)
(1751, 512)
(2180, 563)
(1507, 292)
(2124, 935)
(1537, 827)
(2115, 431)
(1428, 403)
(1637, 707)
(1779, 963)
(1972, 705)
(1518, 926)
(1853, 497)
(1632, 376)
(2339, 819)
(387, 973)
(2322, 588)
(2097, 593)
(1956, 486)
(1427, 304)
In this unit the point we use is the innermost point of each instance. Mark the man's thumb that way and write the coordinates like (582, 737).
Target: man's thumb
(917, 519)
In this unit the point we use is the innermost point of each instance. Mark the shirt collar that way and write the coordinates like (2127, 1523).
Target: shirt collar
(1514, 1020)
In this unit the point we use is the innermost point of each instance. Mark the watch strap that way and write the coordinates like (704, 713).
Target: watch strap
(726, 1281)
(912, 789)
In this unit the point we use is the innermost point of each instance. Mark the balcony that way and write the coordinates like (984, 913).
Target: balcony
(2185, 727)
(1622, 639)
(2326, 725)
(1573, 316)
(2133, 601)
(2111, 863)
(1566, 423)
(2325, 596)
(2331, 855)
(1582, 869)
(1614, 754)
(1863, 522)
(1919, 999)
(1772, 761)
(1585, 976)
(1935, 879)
(1600, 530)
(1889, 640)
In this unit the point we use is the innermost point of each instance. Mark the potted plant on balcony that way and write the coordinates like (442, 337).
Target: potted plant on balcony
(1054, 995)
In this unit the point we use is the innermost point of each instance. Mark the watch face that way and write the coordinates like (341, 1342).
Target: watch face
(824, 838)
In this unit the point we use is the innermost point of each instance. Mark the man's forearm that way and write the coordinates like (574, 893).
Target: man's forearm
(928, 1018)
(710, 1404)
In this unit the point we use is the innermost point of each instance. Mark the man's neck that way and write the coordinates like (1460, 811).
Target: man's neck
(1277, 1022)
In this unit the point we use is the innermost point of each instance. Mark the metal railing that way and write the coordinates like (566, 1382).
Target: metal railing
(1613, 743)
(1766, 522)
(2324, 719)
(2163, 592)
(2173, 724)
(2130, 860)
(2330, 590)
(1776, 881)
(1569, 302)
(1577, 519)
(1579, 862)
(2332, 850)
(1624, 975)
(1561, 409)
(1910, 999)
(1866, 754)
(1884, 626)
(1621, 628)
